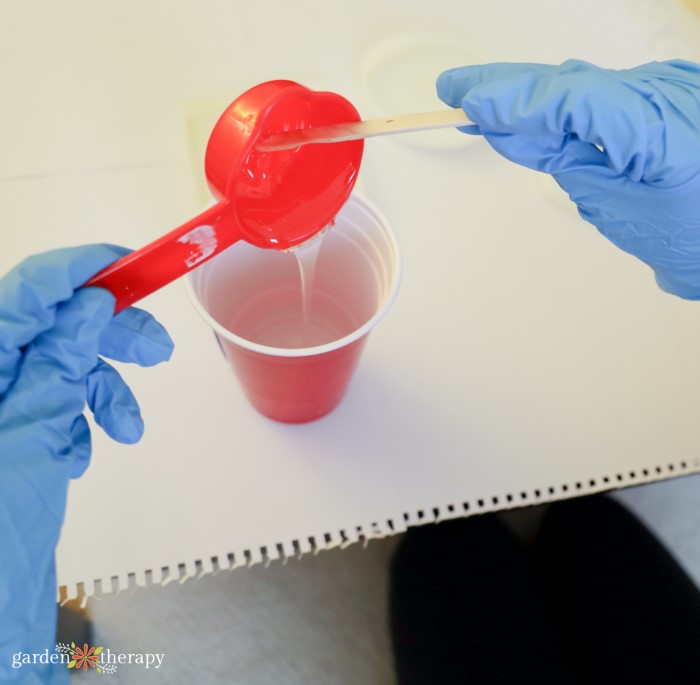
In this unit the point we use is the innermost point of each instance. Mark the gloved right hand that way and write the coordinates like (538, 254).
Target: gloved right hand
(625, 146)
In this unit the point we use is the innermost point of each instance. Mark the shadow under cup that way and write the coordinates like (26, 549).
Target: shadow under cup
(294, 350)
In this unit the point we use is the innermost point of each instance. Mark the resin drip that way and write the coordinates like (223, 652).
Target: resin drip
(307, 258)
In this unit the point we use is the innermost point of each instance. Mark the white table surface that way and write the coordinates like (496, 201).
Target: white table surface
(525, 359)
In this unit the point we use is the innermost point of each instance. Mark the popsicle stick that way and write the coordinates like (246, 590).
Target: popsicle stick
(337, 133)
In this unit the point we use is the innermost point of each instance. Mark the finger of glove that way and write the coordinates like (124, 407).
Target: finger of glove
(453, 84)
(113, 404)
(575, 99)
(135, 336)
(50, 392)
(549, 154)
(30, 292)
(82, 446)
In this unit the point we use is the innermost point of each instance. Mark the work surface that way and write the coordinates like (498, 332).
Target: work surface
(525, 359)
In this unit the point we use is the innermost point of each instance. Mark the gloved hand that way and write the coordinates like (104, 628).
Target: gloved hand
(52, 338)
(625, 146)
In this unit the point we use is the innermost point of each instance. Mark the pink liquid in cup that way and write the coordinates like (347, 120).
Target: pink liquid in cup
(294, 349)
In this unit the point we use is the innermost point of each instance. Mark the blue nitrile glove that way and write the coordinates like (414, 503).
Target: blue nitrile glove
(52, 338)
(624, 144)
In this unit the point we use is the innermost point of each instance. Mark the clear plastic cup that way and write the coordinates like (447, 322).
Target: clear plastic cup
(295, 352)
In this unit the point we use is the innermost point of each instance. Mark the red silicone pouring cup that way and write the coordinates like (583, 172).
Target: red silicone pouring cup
(248, 295)
(273, 200)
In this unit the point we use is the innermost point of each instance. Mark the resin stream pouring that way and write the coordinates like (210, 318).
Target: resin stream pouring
(275, 200)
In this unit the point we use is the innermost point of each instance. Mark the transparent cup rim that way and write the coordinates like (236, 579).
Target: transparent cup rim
(326, 347)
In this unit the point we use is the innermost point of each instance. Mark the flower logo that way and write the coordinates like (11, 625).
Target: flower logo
(85, 657)
(82, 658)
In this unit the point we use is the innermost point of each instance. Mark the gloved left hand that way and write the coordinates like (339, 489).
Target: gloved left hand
(53, 336)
